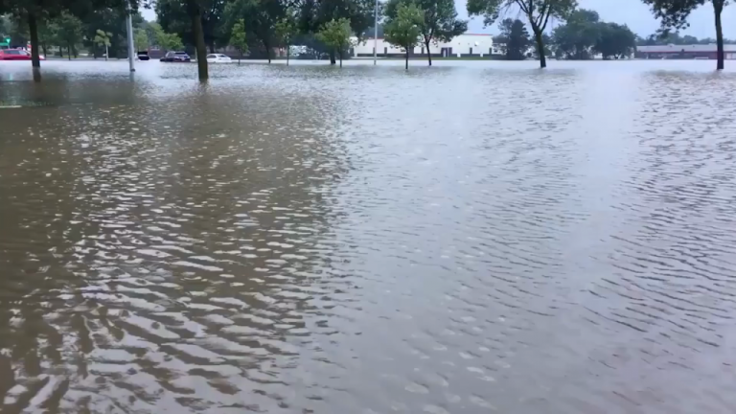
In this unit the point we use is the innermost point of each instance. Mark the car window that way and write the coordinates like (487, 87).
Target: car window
(211, 56)
(181, 53)
(12, 52)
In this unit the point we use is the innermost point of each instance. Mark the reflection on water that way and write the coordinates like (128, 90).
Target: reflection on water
(459, 239)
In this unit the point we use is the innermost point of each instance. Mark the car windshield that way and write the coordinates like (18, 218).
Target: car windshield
(211, 56)
(181, 53)
(13, 52)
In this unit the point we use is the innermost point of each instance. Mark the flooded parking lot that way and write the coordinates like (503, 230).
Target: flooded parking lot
(473, 237)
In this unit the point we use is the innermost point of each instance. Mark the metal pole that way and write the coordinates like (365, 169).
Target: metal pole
(131, 46)
(375, 34)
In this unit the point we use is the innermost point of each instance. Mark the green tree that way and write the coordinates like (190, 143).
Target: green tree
(516, 39)
(615, 41)
(168, 41)
(576, 38)
(102, 39)
(261, 18)
(404, 29)
(69, 32)
(537, 12)
(238, 38)
(141, 39)
(674, 14)
(440, 21)
(47, 35)
(335, 34)
(286, 30)
(314, 14)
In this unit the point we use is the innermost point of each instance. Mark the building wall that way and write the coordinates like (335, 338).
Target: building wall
(464, 45)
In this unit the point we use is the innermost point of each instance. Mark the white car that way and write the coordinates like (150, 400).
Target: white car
(218, 58)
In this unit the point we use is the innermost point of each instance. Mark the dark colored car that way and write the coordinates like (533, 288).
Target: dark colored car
(143, 55)
(176, 57)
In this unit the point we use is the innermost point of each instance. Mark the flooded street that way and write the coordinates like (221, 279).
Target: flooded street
(469, 238)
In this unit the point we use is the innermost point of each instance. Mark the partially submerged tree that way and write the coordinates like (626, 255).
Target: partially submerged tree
(440, 22)
(615, 41)
(515, 38)
(537, 12)
(404, 29)
(674, 14)
(314, 14)
(286, 30)
(69, 32)
(260, 16)
(577, 37)
(238, 38)
(335, 34)
(141, 39)
(102, 39)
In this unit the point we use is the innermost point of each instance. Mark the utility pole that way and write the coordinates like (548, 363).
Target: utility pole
(131, 46)
(375, 34)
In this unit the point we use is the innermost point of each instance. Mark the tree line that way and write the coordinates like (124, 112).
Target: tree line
(265, 24)
(102, 33)
(566, 40)
(583, 36)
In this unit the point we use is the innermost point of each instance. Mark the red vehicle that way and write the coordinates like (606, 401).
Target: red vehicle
(15, 54)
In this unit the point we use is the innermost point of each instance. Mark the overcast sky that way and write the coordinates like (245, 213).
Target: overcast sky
(631, 12)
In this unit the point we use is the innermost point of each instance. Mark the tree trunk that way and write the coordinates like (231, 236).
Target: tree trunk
(240, 57)
(107, 54)
(212, 47)
(196, 15)
(429, 54)
(340, 58)
(540, 47)
(69, 52)
(718, 7)
(287, 55)
(33, 31)
(332, 57)
(406, 66)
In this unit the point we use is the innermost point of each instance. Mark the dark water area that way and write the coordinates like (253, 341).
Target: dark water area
(469, 238)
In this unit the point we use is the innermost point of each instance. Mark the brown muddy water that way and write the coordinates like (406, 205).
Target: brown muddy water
(470, 238)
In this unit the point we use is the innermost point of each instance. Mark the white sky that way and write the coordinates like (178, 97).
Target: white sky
(631, 12)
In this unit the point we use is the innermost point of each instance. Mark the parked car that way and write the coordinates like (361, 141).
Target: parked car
(16, 54)
(143, 55)
(218, 58)
(176, 57)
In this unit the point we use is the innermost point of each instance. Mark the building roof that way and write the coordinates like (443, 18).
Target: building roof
(684, 48)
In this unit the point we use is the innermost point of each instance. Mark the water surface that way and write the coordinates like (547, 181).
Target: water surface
(468, 238)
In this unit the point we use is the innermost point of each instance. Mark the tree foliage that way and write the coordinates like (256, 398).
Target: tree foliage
(404, 29)
(286, 30)
(439, 23)
(69, 32)
(615, 41)
(584, 35)
(514, 38)
(141, 39)
(260, 17)
(239, 38)
(335, 34)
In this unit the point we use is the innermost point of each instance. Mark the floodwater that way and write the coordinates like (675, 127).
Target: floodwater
(474, 237)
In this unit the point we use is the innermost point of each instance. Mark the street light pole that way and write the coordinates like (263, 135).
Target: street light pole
(375, 34)
(131, 46)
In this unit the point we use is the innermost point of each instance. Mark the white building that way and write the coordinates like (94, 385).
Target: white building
(468, 44)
